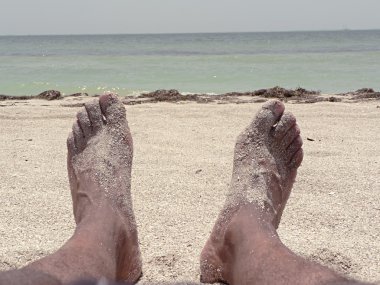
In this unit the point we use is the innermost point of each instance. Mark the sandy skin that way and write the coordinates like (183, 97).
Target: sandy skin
(99, 161)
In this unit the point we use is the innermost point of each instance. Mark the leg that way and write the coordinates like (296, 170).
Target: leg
(105, 242)
(244, 247)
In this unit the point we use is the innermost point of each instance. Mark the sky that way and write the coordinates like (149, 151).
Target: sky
(41, 17)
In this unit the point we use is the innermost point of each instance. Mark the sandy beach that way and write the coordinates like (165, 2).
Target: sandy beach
(182, 167)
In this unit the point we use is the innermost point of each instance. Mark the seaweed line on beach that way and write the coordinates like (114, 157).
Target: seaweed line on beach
(298, 95)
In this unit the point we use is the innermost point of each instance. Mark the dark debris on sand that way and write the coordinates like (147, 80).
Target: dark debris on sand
(50, 95)
(9, 97)
(173, 95)
(280, 93)
(298, 95)
(363, 94)
(46, 95)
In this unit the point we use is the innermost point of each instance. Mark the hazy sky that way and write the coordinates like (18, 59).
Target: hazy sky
(183, 16)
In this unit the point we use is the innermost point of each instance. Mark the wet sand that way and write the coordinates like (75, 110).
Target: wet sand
(182, 167)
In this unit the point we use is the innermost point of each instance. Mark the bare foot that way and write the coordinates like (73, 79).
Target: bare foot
(99, 163)
(267, 155)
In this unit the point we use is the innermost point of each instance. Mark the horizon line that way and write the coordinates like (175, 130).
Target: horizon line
(184, 33)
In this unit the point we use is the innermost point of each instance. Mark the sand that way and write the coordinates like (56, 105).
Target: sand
(182, 167)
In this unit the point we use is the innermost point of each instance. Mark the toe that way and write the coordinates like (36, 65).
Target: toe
(289, 136)
(269, 115)
(296, 160)
(287, 121)
(112, 109)
(293, 148)
(79, 139)
(71, 148)
(94, 114)
(71, 152)
(84, 123)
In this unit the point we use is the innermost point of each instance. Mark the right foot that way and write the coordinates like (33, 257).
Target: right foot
(99, 163)
(267, 155)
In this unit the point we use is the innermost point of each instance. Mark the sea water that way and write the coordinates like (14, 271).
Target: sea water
(329, 61)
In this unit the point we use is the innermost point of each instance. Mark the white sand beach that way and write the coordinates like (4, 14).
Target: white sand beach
(182, 167)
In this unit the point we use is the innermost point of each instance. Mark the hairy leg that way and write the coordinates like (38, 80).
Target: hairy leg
(105, 242)
(244, 247)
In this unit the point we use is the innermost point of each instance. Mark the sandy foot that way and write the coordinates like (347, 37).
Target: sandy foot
(267, 155)
(100, 152)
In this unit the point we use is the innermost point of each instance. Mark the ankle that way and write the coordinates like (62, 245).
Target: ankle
(253, 218)
(250, 229)
(249, 236)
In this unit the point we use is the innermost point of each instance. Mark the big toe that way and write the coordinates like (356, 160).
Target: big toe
(268, 116)
(112, 109)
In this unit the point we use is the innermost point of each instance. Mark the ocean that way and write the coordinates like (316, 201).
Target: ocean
(329, 61)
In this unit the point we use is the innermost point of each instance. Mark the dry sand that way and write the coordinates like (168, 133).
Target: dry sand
(182, 167)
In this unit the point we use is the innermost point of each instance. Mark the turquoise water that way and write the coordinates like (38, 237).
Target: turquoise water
(335, 61)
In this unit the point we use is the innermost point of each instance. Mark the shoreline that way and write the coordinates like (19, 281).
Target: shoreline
(299, 95)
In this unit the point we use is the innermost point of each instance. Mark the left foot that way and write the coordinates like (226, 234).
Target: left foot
(267, 155)
(99, 163)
